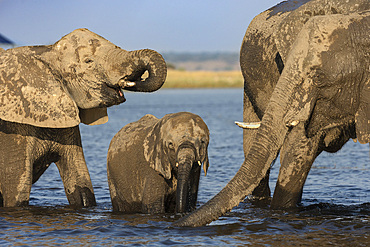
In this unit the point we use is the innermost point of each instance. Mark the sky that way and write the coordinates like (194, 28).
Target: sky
(162, 25)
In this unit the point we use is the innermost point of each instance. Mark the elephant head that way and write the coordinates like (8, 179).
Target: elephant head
(265, 47)
(73, 80)
(320, 79)
(180, 148)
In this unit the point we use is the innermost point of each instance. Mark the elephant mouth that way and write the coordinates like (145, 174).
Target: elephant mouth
(120, 94)
(116, 93)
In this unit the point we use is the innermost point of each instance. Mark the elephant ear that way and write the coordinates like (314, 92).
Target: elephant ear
(94, 116)
(31, 94)
(363, 116)
(155, 151)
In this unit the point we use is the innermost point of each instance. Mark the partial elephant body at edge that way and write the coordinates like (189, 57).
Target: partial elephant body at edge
(317, 103)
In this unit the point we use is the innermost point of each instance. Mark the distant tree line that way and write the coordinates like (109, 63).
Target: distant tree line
(202, 60)
(230, 57)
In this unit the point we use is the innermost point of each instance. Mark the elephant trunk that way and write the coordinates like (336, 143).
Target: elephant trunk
(268, 141)
(186, 158)
(146, 60)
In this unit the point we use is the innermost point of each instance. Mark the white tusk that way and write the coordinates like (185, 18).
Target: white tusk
(130, 84)
(252, 125)
(294, 123)
(177, 164)
(127, 83)
(199, 163)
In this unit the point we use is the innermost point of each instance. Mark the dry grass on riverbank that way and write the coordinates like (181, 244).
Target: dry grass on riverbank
(203, 79)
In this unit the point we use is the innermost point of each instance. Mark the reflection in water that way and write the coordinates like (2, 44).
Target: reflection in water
(61, 225)
(335, 207)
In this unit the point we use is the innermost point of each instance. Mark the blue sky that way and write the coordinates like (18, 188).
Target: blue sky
(163, 25)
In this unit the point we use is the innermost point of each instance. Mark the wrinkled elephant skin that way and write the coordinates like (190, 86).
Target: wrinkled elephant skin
(318, 102)
(154, 164)
(46, 91)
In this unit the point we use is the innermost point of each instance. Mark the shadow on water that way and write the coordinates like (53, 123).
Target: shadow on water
(335, 207)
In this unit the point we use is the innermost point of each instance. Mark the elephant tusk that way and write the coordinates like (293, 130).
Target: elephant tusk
(125, 83)
(130, 84)
(199, 163)
(252, 125)
(177, 164)
(293, 123)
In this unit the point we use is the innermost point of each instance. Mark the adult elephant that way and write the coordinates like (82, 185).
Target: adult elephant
(154, 164)
(46, 91)
(321, 100)
(268, 40)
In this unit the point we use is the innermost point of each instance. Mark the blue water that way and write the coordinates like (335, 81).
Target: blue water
(336, 196)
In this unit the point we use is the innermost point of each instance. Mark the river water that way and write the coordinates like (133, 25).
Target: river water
(336, 198)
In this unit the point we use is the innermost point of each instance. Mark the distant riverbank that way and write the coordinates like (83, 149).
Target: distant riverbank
(203, 79)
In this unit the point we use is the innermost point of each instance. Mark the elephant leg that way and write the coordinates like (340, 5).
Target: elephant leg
(154, 197)
(296, 157)
(74, 173)
(76, 179)
(262, 191)
(16, 182)
(15, 171)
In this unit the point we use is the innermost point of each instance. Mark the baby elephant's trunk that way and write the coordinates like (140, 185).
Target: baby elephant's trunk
(186, 157)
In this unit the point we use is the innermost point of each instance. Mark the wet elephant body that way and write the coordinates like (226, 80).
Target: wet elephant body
(271, 36)
(29, 150)
(46, 91)
(309, 94)
(154, 164)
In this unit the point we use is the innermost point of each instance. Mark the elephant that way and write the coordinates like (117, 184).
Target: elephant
(46, 91)
(268, 39)
(154, 165)
(320, 101)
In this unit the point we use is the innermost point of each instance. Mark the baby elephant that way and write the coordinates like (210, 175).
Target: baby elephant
(154, 164)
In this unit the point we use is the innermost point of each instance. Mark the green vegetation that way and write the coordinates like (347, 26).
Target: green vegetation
(203, 79)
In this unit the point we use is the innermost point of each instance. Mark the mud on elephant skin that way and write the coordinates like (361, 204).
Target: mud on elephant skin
(46, 91)
(268, 40)
(320, 101)
(154, 164)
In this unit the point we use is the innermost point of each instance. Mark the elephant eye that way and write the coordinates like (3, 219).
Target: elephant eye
(203, 141)
(170, 145)
(88, 60)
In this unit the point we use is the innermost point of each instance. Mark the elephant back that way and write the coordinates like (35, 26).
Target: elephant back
(131, 134)
(289, 28)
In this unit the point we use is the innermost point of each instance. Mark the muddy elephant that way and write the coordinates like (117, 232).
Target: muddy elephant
(268, 39)
(46, 91)
(154, 164)
(320, 101)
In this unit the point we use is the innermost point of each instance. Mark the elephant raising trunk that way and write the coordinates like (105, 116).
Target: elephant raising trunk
(46, 92)
(145, 60)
